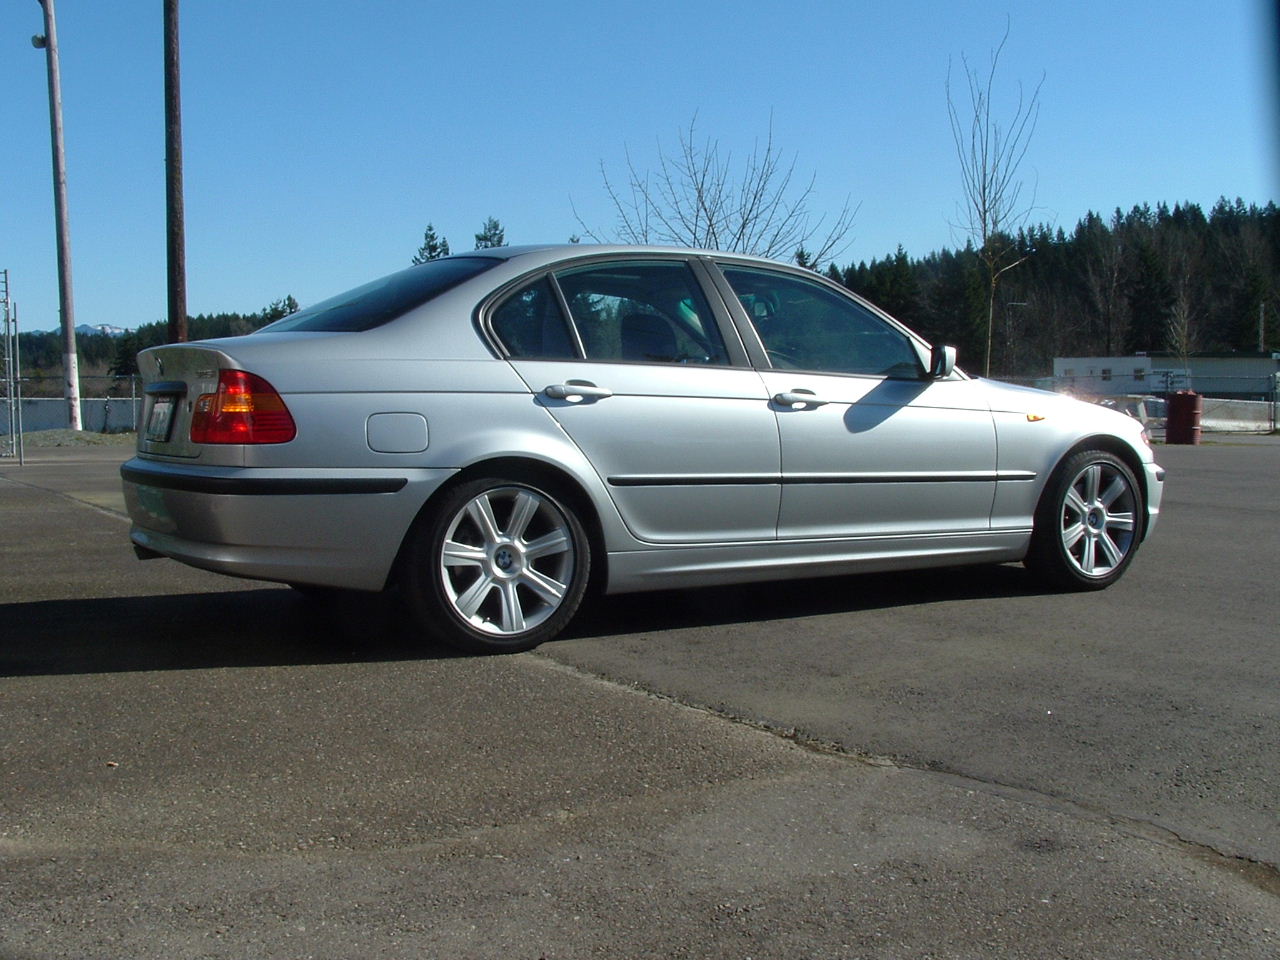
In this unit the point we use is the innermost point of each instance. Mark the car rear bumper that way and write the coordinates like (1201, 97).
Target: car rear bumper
(323, 527)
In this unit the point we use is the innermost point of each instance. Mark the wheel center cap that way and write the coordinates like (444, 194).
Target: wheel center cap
(1095, 519)
(504, 559)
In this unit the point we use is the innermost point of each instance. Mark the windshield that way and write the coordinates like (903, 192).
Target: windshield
(381, 301)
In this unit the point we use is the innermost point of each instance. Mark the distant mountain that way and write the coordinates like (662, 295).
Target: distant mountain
(88, 330)
(106, 328)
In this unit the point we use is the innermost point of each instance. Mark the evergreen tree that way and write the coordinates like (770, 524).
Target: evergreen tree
(125, 361)
(1151, 301)
(279, 308)
(957, 305)
(433, 247)
(892, 286)
(491, 235)
(1250, 303)
(803, 258)
(1158, 277)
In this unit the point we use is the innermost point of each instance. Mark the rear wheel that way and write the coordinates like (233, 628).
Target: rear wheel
(498, 566)
(1088, 524)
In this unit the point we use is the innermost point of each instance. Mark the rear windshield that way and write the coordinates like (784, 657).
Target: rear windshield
(383, 300)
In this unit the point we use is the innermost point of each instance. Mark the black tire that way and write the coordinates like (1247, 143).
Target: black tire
(1088, 524)
(496, 565)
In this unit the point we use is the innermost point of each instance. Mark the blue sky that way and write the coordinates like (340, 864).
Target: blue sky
(321, 137)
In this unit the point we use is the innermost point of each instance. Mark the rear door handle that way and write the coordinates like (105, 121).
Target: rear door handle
(799, 398)
(584, 389)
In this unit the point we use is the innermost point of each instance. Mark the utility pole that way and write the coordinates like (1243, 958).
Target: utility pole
(66, 307)
(176, 241)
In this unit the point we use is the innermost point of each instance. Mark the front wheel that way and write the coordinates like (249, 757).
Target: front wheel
(1088, 524)
(498, 566)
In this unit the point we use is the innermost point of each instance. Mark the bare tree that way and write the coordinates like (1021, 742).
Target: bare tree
(697, 197)
(990, 153)
(1184, 259)
(1180, 334)
(1102, 278)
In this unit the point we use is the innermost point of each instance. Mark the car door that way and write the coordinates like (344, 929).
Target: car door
(630, 360)
(871, 445)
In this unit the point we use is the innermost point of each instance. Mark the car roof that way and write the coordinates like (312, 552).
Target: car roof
(550, 252)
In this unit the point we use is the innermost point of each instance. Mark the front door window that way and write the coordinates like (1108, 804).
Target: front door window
(804, 325)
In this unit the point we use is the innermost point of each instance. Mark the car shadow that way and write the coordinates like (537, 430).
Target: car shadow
(279, 627)
(788, 599)
(247, 628)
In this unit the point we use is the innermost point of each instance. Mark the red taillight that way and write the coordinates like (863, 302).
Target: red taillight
(246, 409)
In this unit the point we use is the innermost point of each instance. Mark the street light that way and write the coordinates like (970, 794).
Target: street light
(66, 308)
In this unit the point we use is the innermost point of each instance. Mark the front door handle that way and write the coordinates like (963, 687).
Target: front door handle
(799, 398)
(583, 389)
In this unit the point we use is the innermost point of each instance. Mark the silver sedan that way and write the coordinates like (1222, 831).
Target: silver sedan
(494, 433)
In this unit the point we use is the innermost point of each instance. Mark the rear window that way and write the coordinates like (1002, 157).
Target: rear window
(381, 301)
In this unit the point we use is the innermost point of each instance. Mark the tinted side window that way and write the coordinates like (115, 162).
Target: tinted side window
(530, 325)
(804, 325)
(642, 312)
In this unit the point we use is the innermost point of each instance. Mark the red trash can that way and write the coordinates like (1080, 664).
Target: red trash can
(1183, 423)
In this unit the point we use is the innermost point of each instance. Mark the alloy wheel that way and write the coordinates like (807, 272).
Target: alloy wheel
(507, 561)
(1098, 519)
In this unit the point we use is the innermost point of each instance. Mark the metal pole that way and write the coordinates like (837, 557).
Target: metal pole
(175, 226)
(11, 441)
(17, 384)
(66, 306)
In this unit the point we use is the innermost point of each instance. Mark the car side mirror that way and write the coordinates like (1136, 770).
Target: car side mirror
(942, 361)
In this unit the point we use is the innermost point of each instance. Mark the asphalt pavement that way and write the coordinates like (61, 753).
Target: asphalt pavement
(942, 765)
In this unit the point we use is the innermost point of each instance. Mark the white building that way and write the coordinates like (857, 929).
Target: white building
(1242, 376)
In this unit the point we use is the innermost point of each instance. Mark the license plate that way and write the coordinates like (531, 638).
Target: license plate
(161, 420)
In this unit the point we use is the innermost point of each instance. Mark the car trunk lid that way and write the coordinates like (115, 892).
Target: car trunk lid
(174, 377)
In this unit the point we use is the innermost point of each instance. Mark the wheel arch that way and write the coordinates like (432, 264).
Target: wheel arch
(532, 470)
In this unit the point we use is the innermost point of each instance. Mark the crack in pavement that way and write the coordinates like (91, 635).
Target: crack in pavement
(1258, 873)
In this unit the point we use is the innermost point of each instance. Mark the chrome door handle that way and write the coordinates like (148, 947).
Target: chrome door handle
(799, 398)
(577, 388)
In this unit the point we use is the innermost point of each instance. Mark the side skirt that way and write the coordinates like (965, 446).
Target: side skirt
(666, 568)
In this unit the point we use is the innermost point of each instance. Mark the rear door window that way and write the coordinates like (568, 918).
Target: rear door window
(642, 312)
(530, 324)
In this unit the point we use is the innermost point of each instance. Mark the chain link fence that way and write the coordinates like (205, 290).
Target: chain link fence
(116, 410)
